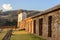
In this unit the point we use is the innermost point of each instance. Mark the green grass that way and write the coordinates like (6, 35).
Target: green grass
(24, 36)
(2, 34)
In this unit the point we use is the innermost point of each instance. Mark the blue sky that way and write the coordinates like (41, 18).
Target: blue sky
(30, 4)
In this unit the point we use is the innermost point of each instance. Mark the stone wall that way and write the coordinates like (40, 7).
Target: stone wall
(30, 27)
(28, 24)
(59, 26)
(45, 25)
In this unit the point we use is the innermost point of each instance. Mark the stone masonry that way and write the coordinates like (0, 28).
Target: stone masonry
(44, 31)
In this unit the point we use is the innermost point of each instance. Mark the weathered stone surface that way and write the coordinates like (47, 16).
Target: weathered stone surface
(55, 25)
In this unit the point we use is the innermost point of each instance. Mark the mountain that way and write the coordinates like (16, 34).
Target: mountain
(13, 15)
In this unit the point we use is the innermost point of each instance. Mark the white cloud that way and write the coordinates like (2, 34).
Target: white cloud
(7, 6)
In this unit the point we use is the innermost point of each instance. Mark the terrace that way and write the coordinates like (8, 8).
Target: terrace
(22, 35)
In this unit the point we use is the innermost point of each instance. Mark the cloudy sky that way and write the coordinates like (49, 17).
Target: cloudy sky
(28, 4)
(7, 6)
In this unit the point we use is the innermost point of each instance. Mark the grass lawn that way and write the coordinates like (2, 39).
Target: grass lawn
(2, 34)
(22, 35)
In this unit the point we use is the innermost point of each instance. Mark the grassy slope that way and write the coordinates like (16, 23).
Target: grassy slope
(22, 35)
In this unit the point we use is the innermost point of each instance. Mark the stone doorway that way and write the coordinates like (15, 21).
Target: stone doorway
(40, 26)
